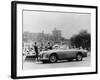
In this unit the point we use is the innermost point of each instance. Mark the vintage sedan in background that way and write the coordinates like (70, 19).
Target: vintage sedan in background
(62, 54)
(29, 53)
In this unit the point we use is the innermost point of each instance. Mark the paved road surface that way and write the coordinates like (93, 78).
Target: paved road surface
(31, 64)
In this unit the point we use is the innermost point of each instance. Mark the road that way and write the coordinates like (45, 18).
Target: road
(32, 64)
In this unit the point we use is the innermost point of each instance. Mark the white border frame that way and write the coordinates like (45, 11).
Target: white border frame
(20, 72)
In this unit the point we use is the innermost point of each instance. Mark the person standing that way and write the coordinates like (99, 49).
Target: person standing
(49, 47)
(36, 50)
(41, 47)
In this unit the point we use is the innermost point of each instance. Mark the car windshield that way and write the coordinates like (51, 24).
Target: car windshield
(60, 47)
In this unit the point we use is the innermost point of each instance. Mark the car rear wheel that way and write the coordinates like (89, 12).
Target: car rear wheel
(53, 58)
(79, 57)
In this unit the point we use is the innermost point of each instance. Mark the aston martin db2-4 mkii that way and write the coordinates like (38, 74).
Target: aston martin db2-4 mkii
(54, 55)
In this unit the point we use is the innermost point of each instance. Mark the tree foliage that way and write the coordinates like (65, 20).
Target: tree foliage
(82, 39)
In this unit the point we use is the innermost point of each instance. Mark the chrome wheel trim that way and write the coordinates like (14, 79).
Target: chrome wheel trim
(79, 57)
(53, 58)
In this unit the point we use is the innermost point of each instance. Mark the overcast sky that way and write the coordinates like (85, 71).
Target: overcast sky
(69, 23)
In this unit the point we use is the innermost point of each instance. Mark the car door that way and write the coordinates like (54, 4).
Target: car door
(67, 54)
(71, 54)
(61, 54)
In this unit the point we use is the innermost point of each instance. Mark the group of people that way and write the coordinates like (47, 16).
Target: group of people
(36, 49)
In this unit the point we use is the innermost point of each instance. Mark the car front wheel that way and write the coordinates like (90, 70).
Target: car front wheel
(79, 57)
(53, 58)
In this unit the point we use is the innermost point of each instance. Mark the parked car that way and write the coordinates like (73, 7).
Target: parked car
(29, 53)
(62, 54)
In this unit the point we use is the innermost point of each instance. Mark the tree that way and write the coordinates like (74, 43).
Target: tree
(83, 39)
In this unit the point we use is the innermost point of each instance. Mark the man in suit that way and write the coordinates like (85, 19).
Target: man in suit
(36, 50)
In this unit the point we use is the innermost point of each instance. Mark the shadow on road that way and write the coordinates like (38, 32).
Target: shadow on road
(59, 61)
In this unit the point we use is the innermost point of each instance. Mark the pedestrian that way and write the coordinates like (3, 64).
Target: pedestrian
(49, 46)
(41, 47)
(36, 50)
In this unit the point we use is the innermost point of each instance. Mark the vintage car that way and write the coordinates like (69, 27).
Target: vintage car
(62, 54)
(29, 53)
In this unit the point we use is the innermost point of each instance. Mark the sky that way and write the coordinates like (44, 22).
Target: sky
(69, 23)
